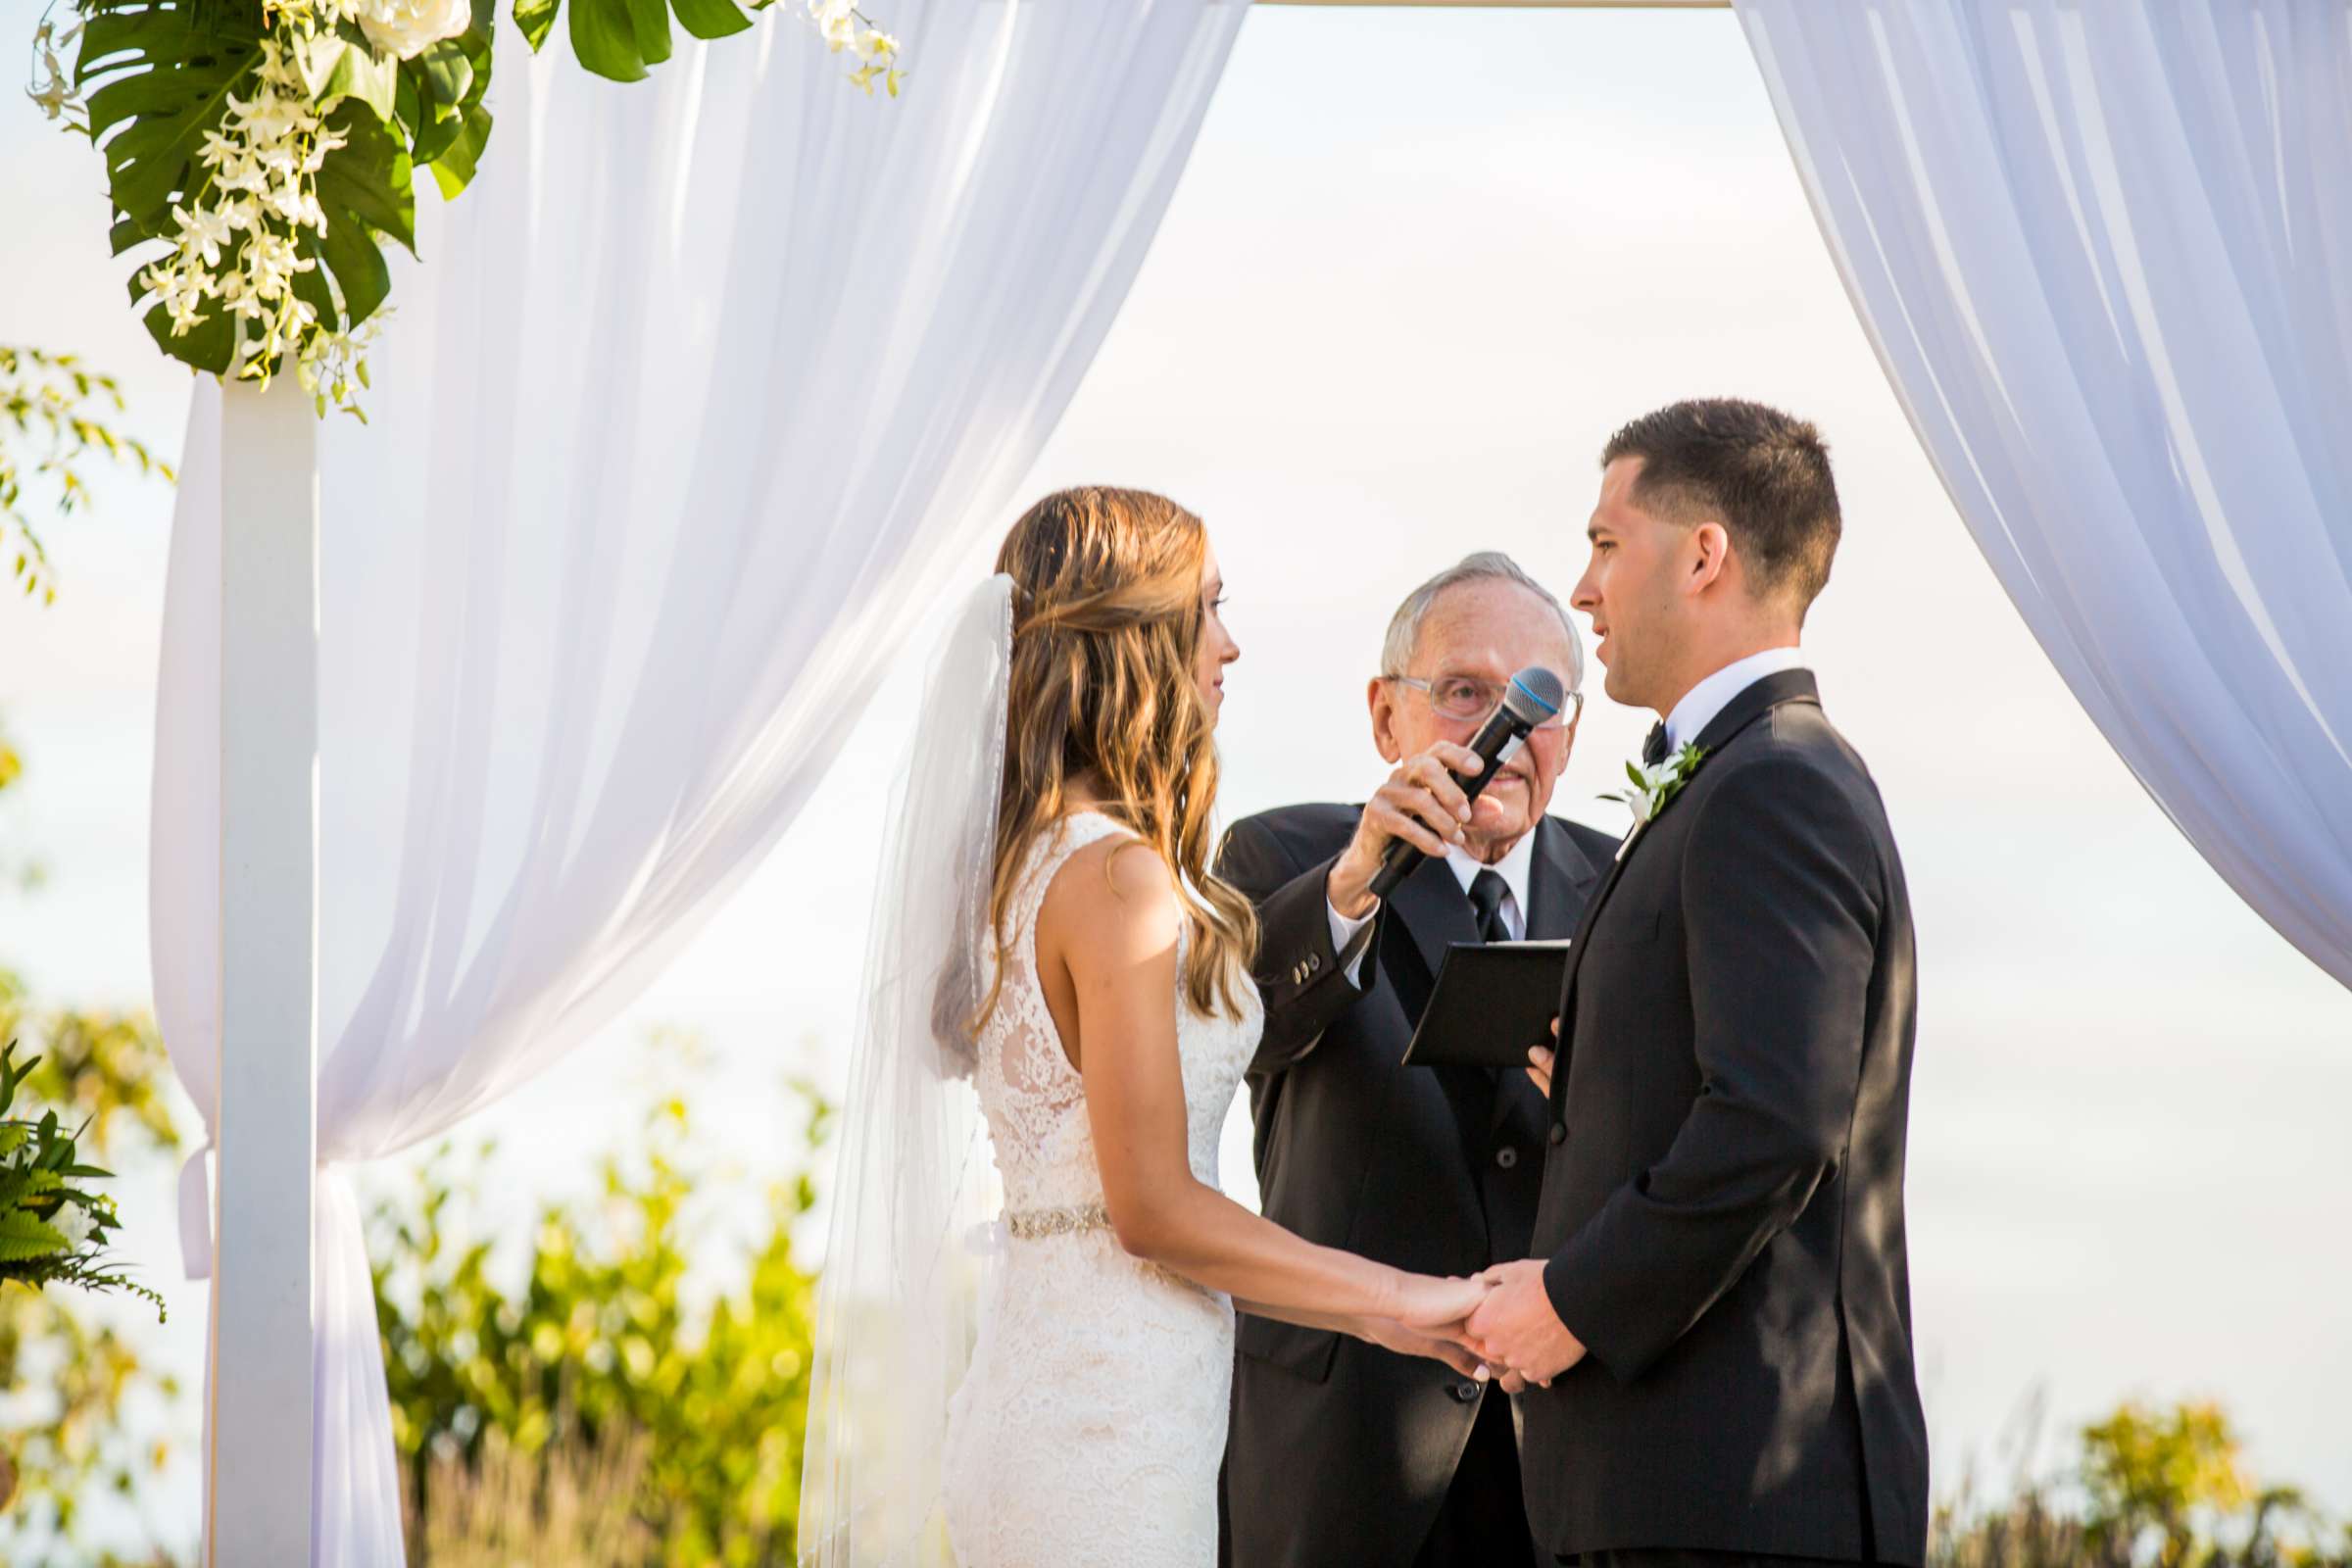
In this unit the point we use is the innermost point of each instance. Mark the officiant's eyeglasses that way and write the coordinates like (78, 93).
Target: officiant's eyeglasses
(1470, 699)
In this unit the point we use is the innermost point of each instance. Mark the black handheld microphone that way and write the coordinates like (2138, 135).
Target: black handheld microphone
(1532, 696)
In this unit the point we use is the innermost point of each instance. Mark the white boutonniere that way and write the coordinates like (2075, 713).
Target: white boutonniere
(1656, 785)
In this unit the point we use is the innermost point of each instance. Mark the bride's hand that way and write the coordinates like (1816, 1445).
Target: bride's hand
(1391, 1334)
(1432, 1304)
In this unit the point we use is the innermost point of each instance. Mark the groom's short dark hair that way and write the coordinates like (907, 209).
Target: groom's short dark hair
(1763, 474)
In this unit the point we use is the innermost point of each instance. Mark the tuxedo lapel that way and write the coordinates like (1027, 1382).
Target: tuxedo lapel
(1435, 911)
(1751, 705)
(1562, 875)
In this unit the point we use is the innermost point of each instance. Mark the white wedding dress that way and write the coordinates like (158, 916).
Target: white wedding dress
(1091, 1424)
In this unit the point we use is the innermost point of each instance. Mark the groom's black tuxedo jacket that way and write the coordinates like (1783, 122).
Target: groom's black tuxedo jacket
(1340, 1452)
(1723, 1198)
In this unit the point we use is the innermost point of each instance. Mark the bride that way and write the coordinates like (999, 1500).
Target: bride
(1051, 1386)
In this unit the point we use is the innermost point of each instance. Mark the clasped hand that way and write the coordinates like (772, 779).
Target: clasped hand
(1499, 1323)
(1515, 1332)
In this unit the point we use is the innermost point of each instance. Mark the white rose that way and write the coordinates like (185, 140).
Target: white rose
(406, 28)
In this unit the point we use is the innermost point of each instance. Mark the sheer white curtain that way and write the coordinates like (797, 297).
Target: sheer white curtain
(2105, 253)
(696, 394)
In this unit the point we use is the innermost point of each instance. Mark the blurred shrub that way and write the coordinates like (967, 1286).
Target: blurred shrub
(86, 1418)
(588, 1399)
(2152, 1489)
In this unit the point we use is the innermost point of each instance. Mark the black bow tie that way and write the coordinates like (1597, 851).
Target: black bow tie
(1654, 749)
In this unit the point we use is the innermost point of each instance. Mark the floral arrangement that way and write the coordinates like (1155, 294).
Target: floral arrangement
(260, 153)
(1653, 786)
(51, 1231)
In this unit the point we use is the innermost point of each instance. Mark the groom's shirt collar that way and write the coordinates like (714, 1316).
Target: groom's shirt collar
(1702, 702)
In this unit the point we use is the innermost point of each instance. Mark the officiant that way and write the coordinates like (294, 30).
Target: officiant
(1341, 1450)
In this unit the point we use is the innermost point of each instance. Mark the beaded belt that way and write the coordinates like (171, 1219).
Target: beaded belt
(1035, 1224)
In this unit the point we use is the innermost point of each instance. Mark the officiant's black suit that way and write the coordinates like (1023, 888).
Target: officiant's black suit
(1722, 1204)
(1342, 1452)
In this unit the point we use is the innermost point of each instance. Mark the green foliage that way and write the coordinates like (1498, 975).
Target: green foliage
(52, 1231)
(259, 152)
(2160, 1475)
(160, 77)
(77, 1391)
(2158, 1488)
(596, 1370)
(83, 1413)
(53, 423)
(621, 38)
(156, 76)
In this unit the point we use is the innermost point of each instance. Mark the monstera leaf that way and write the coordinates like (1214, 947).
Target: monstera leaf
(160, 74)
(157, 75)
(621, 38)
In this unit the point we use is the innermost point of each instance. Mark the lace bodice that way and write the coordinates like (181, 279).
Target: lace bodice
(1035, 1100)
(1088, 1432)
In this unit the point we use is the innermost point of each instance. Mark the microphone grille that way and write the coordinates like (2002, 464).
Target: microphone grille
(1533, 695)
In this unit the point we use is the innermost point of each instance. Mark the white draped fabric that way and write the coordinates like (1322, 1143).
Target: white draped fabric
(700, 389)
(2104, 251)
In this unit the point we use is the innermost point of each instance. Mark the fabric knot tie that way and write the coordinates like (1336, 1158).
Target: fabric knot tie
(1487, 890)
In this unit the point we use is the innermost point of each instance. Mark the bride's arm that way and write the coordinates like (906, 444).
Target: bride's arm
(1387, 1333)
(1110, 923)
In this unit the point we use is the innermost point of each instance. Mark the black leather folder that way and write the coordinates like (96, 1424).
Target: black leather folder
(1492, 1001)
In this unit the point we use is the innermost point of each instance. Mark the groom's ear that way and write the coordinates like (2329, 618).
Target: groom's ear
(1707, 555)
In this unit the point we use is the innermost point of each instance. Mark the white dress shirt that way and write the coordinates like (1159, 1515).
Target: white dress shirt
(1702, 702)
(1515, 868)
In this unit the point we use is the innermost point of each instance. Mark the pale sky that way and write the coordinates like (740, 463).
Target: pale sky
(1420, 267)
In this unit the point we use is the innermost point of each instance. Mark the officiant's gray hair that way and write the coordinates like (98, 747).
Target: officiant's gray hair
(1487, 566)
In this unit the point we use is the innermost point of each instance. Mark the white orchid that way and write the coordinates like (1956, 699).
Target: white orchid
(203, 233)
(180, 292)
(844, 27)
(247, 220)
(247, 232)
(271, 260)
(836, 21)
(55, 94)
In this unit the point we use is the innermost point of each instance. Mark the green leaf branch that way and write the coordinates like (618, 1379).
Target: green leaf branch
(53, 1231)
(54, 421)
(261, 154)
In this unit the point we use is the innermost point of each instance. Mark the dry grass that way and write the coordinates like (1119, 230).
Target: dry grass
(568, 1504)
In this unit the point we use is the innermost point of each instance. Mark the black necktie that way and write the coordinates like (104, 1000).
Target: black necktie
(1487, 890)
(1654, 749)
(1486, 902)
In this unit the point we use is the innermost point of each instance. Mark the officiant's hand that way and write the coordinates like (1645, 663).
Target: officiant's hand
(1538, 1062)
(1420, 804)
(1515, 1328)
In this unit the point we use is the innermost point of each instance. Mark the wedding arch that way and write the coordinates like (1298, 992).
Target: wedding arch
(446, 793)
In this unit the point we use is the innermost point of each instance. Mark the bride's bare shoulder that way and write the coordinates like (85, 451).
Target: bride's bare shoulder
(1113, 898)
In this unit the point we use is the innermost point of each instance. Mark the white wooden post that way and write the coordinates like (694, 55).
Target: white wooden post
(258, 1474)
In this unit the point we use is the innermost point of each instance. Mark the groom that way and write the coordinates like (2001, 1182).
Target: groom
(1718, 1308)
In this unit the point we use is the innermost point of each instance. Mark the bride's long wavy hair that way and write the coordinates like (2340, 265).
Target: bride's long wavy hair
(1107, 625)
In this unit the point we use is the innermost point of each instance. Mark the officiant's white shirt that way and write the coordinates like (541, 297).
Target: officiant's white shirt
(1711, 696)
(1514, 868)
